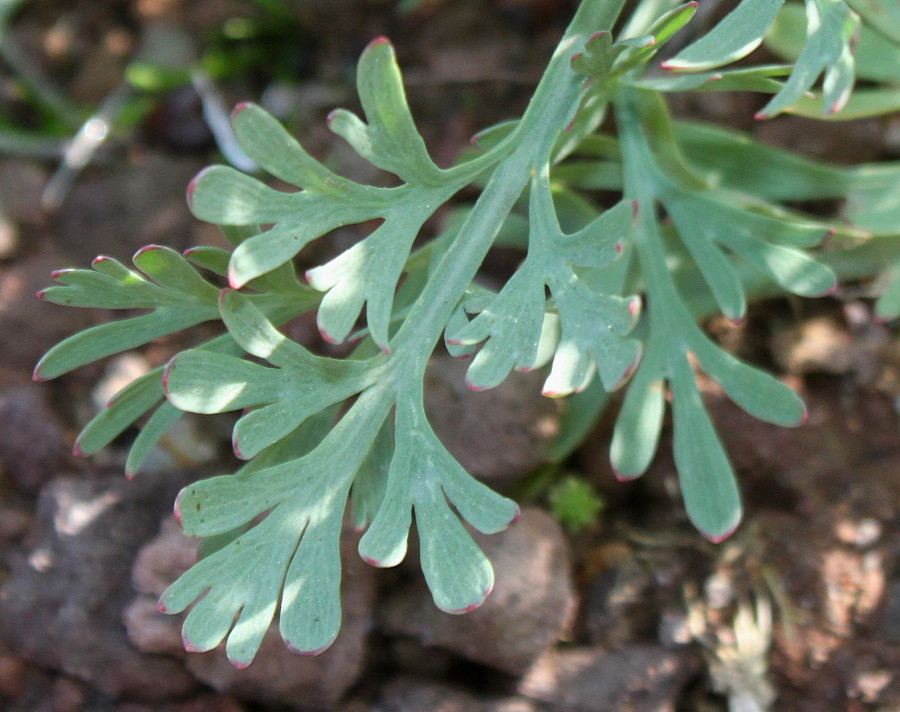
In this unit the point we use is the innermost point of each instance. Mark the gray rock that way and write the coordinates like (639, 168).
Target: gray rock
(62, 606)
(277, 676)
(530, 608)
(498, 435)
(412, 695)
(634, 679)
(31, 438)
(120, 210)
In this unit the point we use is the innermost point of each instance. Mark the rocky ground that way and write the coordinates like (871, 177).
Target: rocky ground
(799, 611)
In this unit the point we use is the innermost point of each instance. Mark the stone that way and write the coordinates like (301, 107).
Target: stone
(61, 606)
(277, 676)
(531, 607)
(413, 695)
(497, 436)
(639, 678)
(125, 207)
(32, 442)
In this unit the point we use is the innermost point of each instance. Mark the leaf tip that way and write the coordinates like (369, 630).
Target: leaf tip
(161, 607)
(719, 538)
(98, 259)
(36, 375)
(472, 606)
(308, 653)
(372, 562)
(234, 281)
(671, 64)
(621, 476)
(40, 293)
(145, 249)
(191, 187)
(236, 448)
(474, 387)
(57, 273)
(380, 40)
(239, 664)
(239, 107)
(835, 107)
(76, 449)
(599, 33)
(761, 116)
(176, 508)
(330, 118)
(326, 337)
(164, 379)
(188, 646)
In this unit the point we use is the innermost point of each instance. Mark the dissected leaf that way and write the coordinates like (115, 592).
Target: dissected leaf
(831, 28)
(733, 38)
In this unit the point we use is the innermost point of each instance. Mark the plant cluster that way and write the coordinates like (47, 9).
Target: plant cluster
(605, 298)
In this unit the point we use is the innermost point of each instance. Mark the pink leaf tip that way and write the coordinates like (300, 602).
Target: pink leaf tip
(598, 34)
(371, 562)
(40, 293)
(164, 380)
(326, 337)
(98, 259)
(36, 375)
(719, 538)
(161, 607)
(836, 106)
(57, 273)
(191, 187)
(761, 116)
(76, 449)
(474, 387)
(380, 40)
(239, 107)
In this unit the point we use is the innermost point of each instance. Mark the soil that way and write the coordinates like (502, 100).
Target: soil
(818, 549)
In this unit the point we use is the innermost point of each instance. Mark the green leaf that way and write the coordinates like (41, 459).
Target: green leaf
(882, 15)
(791, 268)
(291, 555)
(733, 38)
(864, 103)
(164, 417)
(282, 397)
(108, 339)
(367, 275)
(424, 478)
(888, 305)
(520, 335)
(390, 140)
(638, 427)
(757, 392)
(830, 30)
(123, 410)
(759, 79)
(707, 482)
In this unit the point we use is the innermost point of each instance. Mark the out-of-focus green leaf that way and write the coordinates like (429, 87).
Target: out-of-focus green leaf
(734, 37)
(830, 31)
